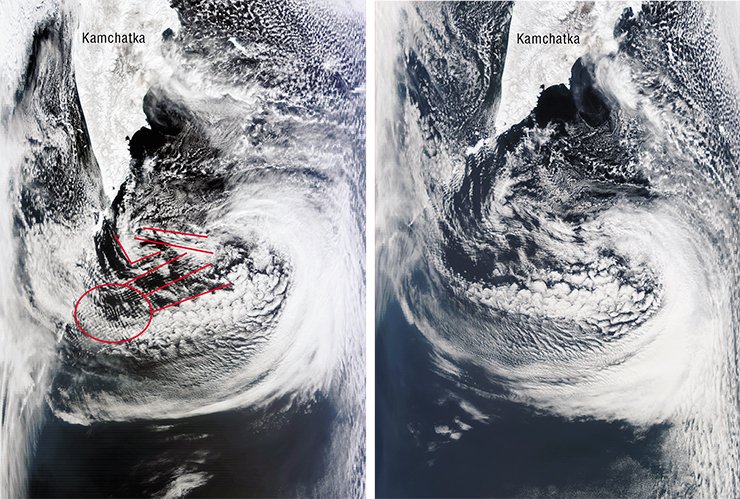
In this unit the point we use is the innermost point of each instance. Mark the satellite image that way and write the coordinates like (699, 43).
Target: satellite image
(557, 249)
(182, 232)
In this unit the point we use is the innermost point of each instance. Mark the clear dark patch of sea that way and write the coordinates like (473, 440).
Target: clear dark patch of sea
(517, 452)
(236, 451)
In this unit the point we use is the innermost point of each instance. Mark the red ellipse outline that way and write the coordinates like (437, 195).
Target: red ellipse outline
(149, 304)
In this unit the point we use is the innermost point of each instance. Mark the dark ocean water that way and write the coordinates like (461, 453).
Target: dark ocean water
(139, 459)
(518, 452)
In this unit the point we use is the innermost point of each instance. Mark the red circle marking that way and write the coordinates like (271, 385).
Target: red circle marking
(149, 304)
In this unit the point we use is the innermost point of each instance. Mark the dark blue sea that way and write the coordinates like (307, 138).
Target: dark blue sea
(518, 452)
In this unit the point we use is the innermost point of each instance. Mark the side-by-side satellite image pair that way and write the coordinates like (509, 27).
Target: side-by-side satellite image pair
(348, 249)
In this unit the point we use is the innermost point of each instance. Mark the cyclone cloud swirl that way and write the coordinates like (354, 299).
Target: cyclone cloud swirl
(242, 121)
(560, 225)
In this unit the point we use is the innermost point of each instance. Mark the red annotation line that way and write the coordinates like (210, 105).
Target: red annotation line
(178, 279)
(126, 254)
(155, 268)
(193, 297)
(175, 232)
(162, 243)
